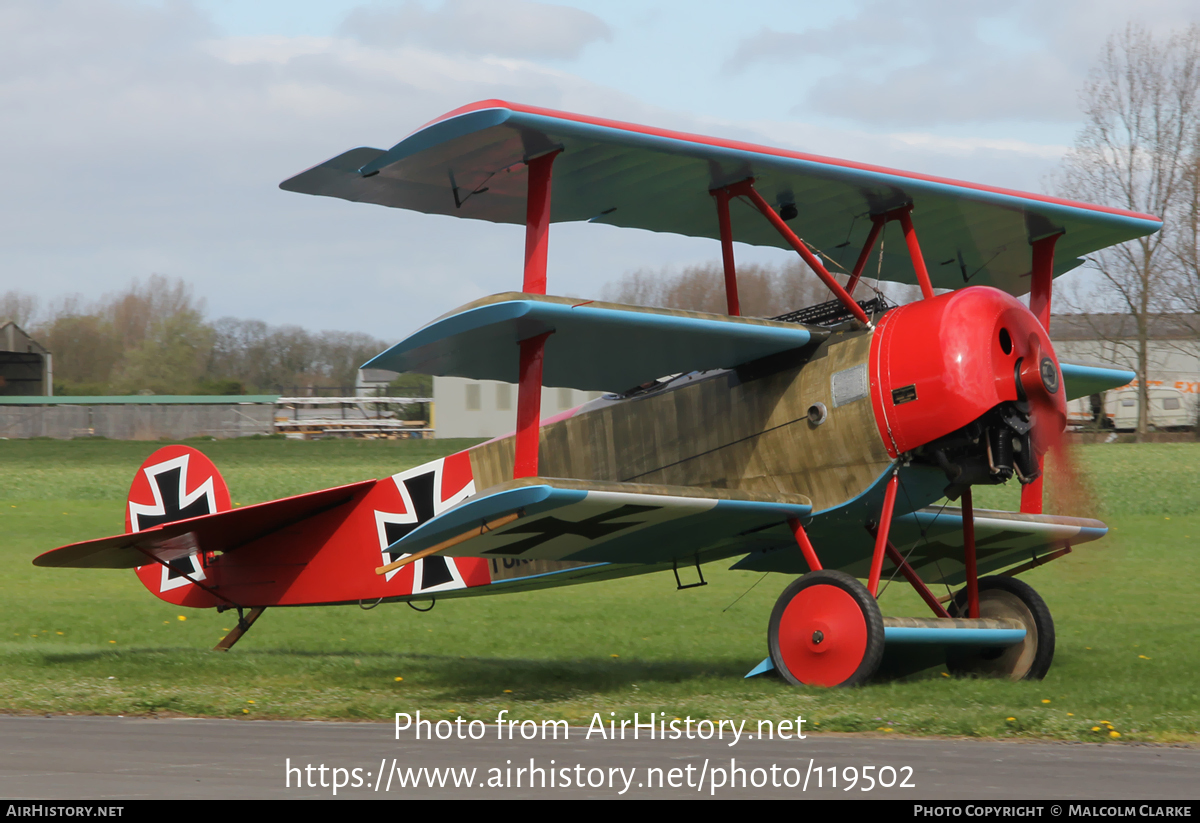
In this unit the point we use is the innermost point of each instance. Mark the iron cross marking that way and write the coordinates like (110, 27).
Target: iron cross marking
(168, 483)
(168, 490)
(180, 567)
(548, 528)
(434, 571)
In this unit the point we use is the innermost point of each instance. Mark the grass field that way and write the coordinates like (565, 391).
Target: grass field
(78, 641)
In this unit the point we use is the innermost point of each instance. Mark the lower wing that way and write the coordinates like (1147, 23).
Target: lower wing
(931, 539)
(552, 519)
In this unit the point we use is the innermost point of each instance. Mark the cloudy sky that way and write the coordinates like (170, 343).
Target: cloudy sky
(142, 137)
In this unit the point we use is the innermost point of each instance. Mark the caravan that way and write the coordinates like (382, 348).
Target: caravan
(1170, 410)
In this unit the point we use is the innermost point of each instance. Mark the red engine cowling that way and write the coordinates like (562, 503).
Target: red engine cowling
(942, 364)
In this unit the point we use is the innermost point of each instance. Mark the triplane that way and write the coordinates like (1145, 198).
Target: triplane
(811, 444)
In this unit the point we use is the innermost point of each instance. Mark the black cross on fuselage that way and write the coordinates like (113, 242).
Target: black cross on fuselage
(548, 528)
(434, 570)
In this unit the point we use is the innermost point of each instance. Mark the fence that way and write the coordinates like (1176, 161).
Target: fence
(136, 421)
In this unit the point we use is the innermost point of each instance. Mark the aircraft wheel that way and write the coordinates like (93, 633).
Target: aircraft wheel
(1007, 597)
(826, 630)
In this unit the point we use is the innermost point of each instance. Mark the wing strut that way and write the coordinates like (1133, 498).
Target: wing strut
(1043, 278)
(537, 222)
(968, 519)
(878, 221)
(1039, 303)
(914, 251)
(745, 188)
(537, 245)
(806, 546)
(529, 406)
(731, 290)
(877, 224)
(881, 535)
(915, 581)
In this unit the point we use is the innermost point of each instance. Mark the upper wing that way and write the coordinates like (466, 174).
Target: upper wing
(637, 344)
(471, 163)
(932, 541)
(605, 522)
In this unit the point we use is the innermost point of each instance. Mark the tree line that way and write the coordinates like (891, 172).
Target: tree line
(763, 291)
(153, 337)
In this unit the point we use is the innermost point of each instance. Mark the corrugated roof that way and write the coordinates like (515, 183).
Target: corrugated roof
(1167, 326)
(15, 339)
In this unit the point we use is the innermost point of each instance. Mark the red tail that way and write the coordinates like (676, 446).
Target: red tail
(175, 483)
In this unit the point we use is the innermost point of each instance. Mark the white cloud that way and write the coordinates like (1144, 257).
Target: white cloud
(508, 28)
(136, 141)
(937, 62)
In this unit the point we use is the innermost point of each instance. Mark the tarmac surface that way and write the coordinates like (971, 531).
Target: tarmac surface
(113, 758)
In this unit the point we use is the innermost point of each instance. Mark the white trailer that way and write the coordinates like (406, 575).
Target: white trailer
(1170, 409)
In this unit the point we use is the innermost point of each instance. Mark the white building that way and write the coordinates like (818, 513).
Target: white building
(373, 382)
(487, 408)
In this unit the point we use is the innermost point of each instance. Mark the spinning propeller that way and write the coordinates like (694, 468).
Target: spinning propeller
(1039, 383)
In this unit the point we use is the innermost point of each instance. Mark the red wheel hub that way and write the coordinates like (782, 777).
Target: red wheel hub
(823, 635)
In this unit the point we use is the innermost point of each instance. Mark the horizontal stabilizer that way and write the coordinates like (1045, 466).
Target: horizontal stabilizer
(221, 532)
(606, 522)
(594, 346)
(1080, 380)
(932, 541)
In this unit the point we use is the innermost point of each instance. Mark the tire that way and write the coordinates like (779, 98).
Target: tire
(1007, 597)
(826, 630)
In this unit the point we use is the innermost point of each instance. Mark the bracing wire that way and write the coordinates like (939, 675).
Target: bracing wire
(746, 592)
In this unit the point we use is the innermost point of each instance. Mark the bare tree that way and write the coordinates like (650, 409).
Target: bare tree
(1185, 249)
(17, 307)
(1142, 109)
(763, 291)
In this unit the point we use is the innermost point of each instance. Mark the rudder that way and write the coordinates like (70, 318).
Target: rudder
(174, 483)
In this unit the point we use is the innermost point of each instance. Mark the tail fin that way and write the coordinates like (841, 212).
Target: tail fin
(175, 483)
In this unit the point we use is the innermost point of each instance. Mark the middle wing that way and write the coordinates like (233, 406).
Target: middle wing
(595, 346)
(1081, 380)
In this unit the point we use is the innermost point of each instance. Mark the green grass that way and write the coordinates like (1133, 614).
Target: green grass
(94, 641)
